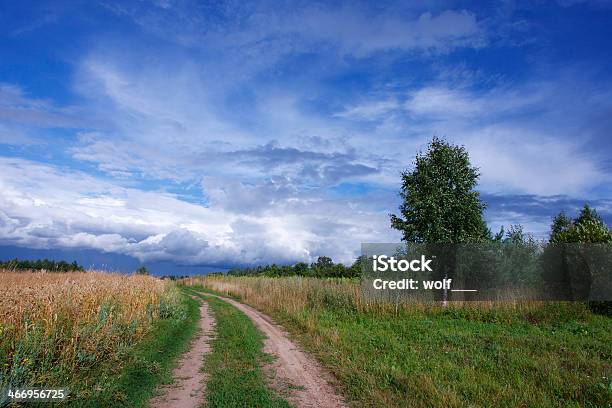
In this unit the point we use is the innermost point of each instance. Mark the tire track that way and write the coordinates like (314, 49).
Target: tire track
(189, 387)
(307, 381)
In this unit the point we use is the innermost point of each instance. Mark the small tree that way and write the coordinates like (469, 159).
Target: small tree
(142, 271)
(300, 269)
(355, 270)
(560, 223)
(323, 262)
(587, 228)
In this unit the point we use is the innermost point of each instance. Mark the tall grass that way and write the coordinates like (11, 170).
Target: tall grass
(398, 353)
(57, 327)
(293, 295)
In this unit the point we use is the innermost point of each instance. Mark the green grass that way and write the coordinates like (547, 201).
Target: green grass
(236, 378)
(554, 355)
(146, 366)
(437, 361)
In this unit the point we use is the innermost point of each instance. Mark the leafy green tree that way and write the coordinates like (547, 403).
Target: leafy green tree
(587, 228)
(499, 236)
(355, 270)
(517, 235)
(440, 204)
(272, 270)
(560, 223)
(324, 267)
(323, 262)
(586, 215)
(301, 269)
(520, 252)
(142, 271)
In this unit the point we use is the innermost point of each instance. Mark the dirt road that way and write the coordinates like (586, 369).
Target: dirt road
(308, 381)
(190, 381)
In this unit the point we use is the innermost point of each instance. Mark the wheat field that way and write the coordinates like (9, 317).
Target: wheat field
(57, 326)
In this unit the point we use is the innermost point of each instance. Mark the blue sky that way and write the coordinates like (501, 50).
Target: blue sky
(204, 135)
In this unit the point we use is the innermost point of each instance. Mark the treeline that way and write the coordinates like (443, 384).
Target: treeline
(41, 265)
(324, 267)
(175, 277)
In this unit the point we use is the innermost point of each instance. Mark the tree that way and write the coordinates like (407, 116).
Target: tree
(520, 252)
(440, 204)
(323, 262)
(323, 267)
(300, 269)
(516, 235)
(499, 236)
(355, 270)
(41, 265)
(587, 215)
(142, 271)
(587, 228)
(560, 223)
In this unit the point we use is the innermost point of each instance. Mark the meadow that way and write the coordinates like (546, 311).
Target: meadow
(383, 353)
(90, 332)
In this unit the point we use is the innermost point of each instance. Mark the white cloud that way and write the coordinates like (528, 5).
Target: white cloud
(46, 207)
(443, 102)
(275, 29)
(519, 160)
(17, 108)
(370, 110)
(527, 139)
(360, 33)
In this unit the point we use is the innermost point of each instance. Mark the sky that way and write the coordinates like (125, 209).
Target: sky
(196, 136)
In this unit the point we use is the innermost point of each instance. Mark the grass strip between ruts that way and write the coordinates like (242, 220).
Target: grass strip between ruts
(234, 367)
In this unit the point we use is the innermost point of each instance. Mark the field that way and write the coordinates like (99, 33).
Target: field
(425, 355)
(113, 340)
(82, 331)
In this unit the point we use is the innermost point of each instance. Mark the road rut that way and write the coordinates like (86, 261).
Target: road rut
(292, 366)
(189, 387)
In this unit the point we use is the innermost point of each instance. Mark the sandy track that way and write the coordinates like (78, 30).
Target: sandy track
(189, 386)
(293, 366)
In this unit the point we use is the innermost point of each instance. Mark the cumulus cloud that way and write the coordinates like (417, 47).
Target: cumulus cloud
(47, 207)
